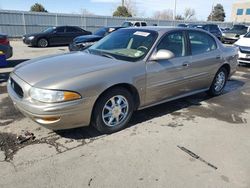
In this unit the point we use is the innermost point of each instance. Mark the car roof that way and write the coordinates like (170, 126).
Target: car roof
(164, 29)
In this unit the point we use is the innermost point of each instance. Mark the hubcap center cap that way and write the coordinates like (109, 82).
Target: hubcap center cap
(116, 111)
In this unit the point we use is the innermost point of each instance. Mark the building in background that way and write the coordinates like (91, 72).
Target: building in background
(241, 11)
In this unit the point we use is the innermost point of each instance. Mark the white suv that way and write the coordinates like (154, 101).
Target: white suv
(134, 24)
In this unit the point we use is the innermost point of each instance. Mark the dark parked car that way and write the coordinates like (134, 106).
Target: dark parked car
(61, 35)
(232, 35)
(182, 25)
(81, 42)
(214, 29)
(5, 46)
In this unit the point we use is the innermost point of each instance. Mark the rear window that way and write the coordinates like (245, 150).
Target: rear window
(201, 42)
(73, 29)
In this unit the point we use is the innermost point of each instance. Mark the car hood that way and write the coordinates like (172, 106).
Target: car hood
(243, 42)
(46, 71)
(87, 38)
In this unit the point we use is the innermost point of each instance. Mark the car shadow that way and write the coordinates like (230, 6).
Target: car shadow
(153, 112)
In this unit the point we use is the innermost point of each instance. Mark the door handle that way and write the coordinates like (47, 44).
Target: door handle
(218, 57)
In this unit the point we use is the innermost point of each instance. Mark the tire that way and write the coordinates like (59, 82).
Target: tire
(43, 43)
(219, 82)
(116, 110)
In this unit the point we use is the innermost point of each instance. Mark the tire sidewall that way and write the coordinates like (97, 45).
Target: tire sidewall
(38, 43)
(97, 119)
(212, 90)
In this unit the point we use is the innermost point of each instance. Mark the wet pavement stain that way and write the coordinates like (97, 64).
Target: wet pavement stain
(8, 112)
(225, 178)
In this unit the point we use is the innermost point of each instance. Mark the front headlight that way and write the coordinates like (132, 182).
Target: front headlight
(31, 37)
(52, 96)
(223, 34)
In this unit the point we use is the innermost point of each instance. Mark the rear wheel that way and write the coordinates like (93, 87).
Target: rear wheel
(113, 110)
(219, 82)
(43, 43)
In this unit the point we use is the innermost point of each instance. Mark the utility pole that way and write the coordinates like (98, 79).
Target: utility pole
(174, 16)
(123, 3)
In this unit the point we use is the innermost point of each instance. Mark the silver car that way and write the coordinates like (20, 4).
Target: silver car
(128, 70)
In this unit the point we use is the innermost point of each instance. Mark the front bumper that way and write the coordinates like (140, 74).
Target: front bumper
(29, 42)
(244, 57)
(230, 40)
(70, 114)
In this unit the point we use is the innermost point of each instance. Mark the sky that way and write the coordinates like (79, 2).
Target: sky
(145, 8)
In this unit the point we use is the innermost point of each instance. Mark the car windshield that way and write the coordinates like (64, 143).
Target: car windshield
(238, 29)
(247, 35)
(48, 30)
(100, 32)
(126, 44)
(127, 24)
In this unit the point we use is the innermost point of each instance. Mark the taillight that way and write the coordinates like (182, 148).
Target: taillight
(5, 41)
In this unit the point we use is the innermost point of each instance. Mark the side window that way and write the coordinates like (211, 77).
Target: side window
(60, 29)
(201, 42)
(137, 24)
(71, 30)
(143, 24)
(173, 42)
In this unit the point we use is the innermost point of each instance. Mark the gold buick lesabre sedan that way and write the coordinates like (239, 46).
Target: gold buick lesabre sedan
(128, 70)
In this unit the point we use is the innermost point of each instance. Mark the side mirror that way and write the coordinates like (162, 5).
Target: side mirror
(162, 55)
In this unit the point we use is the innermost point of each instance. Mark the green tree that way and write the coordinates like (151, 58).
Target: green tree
(217, 14)
(122, 11)
(37, 8)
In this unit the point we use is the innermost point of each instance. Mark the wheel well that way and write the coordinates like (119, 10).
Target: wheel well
(227, 67)
(41, 38)
(128, 87)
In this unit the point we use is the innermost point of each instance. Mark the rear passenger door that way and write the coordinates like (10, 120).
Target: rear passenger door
(57, 37)
(206, 58)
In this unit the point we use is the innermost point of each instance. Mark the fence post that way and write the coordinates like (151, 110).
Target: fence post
(56, 20)
(85, 22)
(106, 21)
(24, 24)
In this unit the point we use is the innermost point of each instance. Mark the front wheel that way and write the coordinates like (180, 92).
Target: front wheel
(219, 82)
(113, 110)
(43, 43)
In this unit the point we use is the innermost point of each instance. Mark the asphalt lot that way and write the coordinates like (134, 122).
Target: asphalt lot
(197, 141)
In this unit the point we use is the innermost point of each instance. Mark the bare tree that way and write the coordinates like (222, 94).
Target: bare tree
(189, 13)
(131, 6)
(85, 12)
(164, 15)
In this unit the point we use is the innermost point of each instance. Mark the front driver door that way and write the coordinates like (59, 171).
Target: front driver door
(165, 77)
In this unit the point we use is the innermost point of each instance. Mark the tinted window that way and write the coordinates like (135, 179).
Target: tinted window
(60, 29)
(248, 11)
(240, 12)
(143, 24)
(173, 42)
(72, 29)
(137, 24)
(201, 42)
